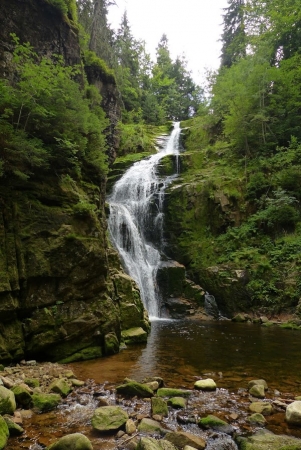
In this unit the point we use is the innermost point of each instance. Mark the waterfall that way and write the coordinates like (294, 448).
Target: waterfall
(136, 220)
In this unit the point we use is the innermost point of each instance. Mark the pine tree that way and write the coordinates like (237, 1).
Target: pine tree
(234, 36)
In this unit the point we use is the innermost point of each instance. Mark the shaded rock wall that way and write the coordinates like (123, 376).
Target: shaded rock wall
(62, 290)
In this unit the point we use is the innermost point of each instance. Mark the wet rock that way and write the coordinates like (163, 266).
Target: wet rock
(257, 391)
(22, 396)
(109, 418)
(153, 385)
(265, 440)
(148, 443)
(13, 428)
(159, 380)
(239, 318)
(76, 383)
(4, 433)
(72, 441)
(177, 402)
(7, 401)
(221, 442)
(133, 388)
(61, 387)
(150, 426)
(258, 419)
(130, 427)
(32, 382)
(215, 423)
(264, 408)
(111, 344)
(159, 406)
(45, 402)
(186, 418)
(170, 392)
(258, 382)
(293, 413)
(134, 335)
(205, 385)
(69, 374)
(182, 438)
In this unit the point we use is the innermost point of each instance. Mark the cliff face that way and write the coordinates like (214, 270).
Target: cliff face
(62, 290)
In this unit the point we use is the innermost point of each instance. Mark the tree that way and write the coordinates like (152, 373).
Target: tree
(234, 35)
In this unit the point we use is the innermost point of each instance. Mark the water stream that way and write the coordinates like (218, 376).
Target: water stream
(136, 220)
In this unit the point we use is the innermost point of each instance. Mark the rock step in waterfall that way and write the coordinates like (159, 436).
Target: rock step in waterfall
(136, 230)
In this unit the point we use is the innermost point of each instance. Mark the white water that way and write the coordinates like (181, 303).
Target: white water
(131, 218)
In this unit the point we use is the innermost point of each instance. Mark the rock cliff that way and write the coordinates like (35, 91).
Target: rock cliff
(63, 294)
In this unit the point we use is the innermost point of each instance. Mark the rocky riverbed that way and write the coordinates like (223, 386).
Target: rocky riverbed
(46, 406)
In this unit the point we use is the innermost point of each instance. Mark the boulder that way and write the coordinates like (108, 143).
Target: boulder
(239, 318)
(7, 401)
(32, 382)
(4, 433)
(150, 426)
(133, 388)
(159, 406)
(293, 413)
(45, 402)
(177, 402)
(182, 438)
(257, 419)
(205, 385)
(134, 335)
(13, 428)
(60, 386)
(264, 408)
(22, 396)
(256, 382)
(109, 418)
(76, 441)
(148, 443)
(216, 424)
(111, 344)
(170, 392)
(265, 440)
(257, 391)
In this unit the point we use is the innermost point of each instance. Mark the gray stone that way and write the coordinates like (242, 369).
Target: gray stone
(205, 385)
(150, 426)
(182, 438)
(130, 427)
(293, 413)
(109, 418)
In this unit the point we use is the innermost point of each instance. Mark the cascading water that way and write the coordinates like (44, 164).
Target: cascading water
(133, 224)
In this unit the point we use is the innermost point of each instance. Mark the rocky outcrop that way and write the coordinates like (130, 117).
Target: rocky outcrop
(63, 293)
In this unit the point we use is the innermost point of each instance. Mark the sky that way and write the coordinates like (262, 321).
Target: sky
(193, 28)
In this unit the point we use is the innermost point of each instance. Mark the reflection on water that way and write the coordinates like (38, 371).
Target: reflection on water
(179, 351)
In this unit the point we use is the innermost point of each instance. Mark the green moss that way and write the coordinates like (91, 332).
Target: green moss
(45, 402)
(4, 433)
(91, 59)
(170, 392)
(32, 382)
(83, 355)
(211, 421)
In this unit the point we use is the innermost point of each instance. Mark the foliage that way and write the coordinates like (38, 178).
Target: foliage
(47, 119)
(67, 7)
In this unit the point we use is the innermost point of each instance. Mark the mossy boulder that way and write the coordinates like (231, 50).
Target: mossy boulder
(132, 388)
(171, 392)
(134, 335)
(257, 418)
(264, 408)
(205, 385)
(159, 406)
(215, 423)
(45, 402)
(177, 402)
(111, 344)
(265, 440)
(7, 401)
(32, 382)
(22, 396)
(109, 418)
(13, 428)
(181, 439)
(76, 441)
(260, 382)
(4, 433)
(150, 426)
(257, 391)
(83, 355)
(61, 386)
